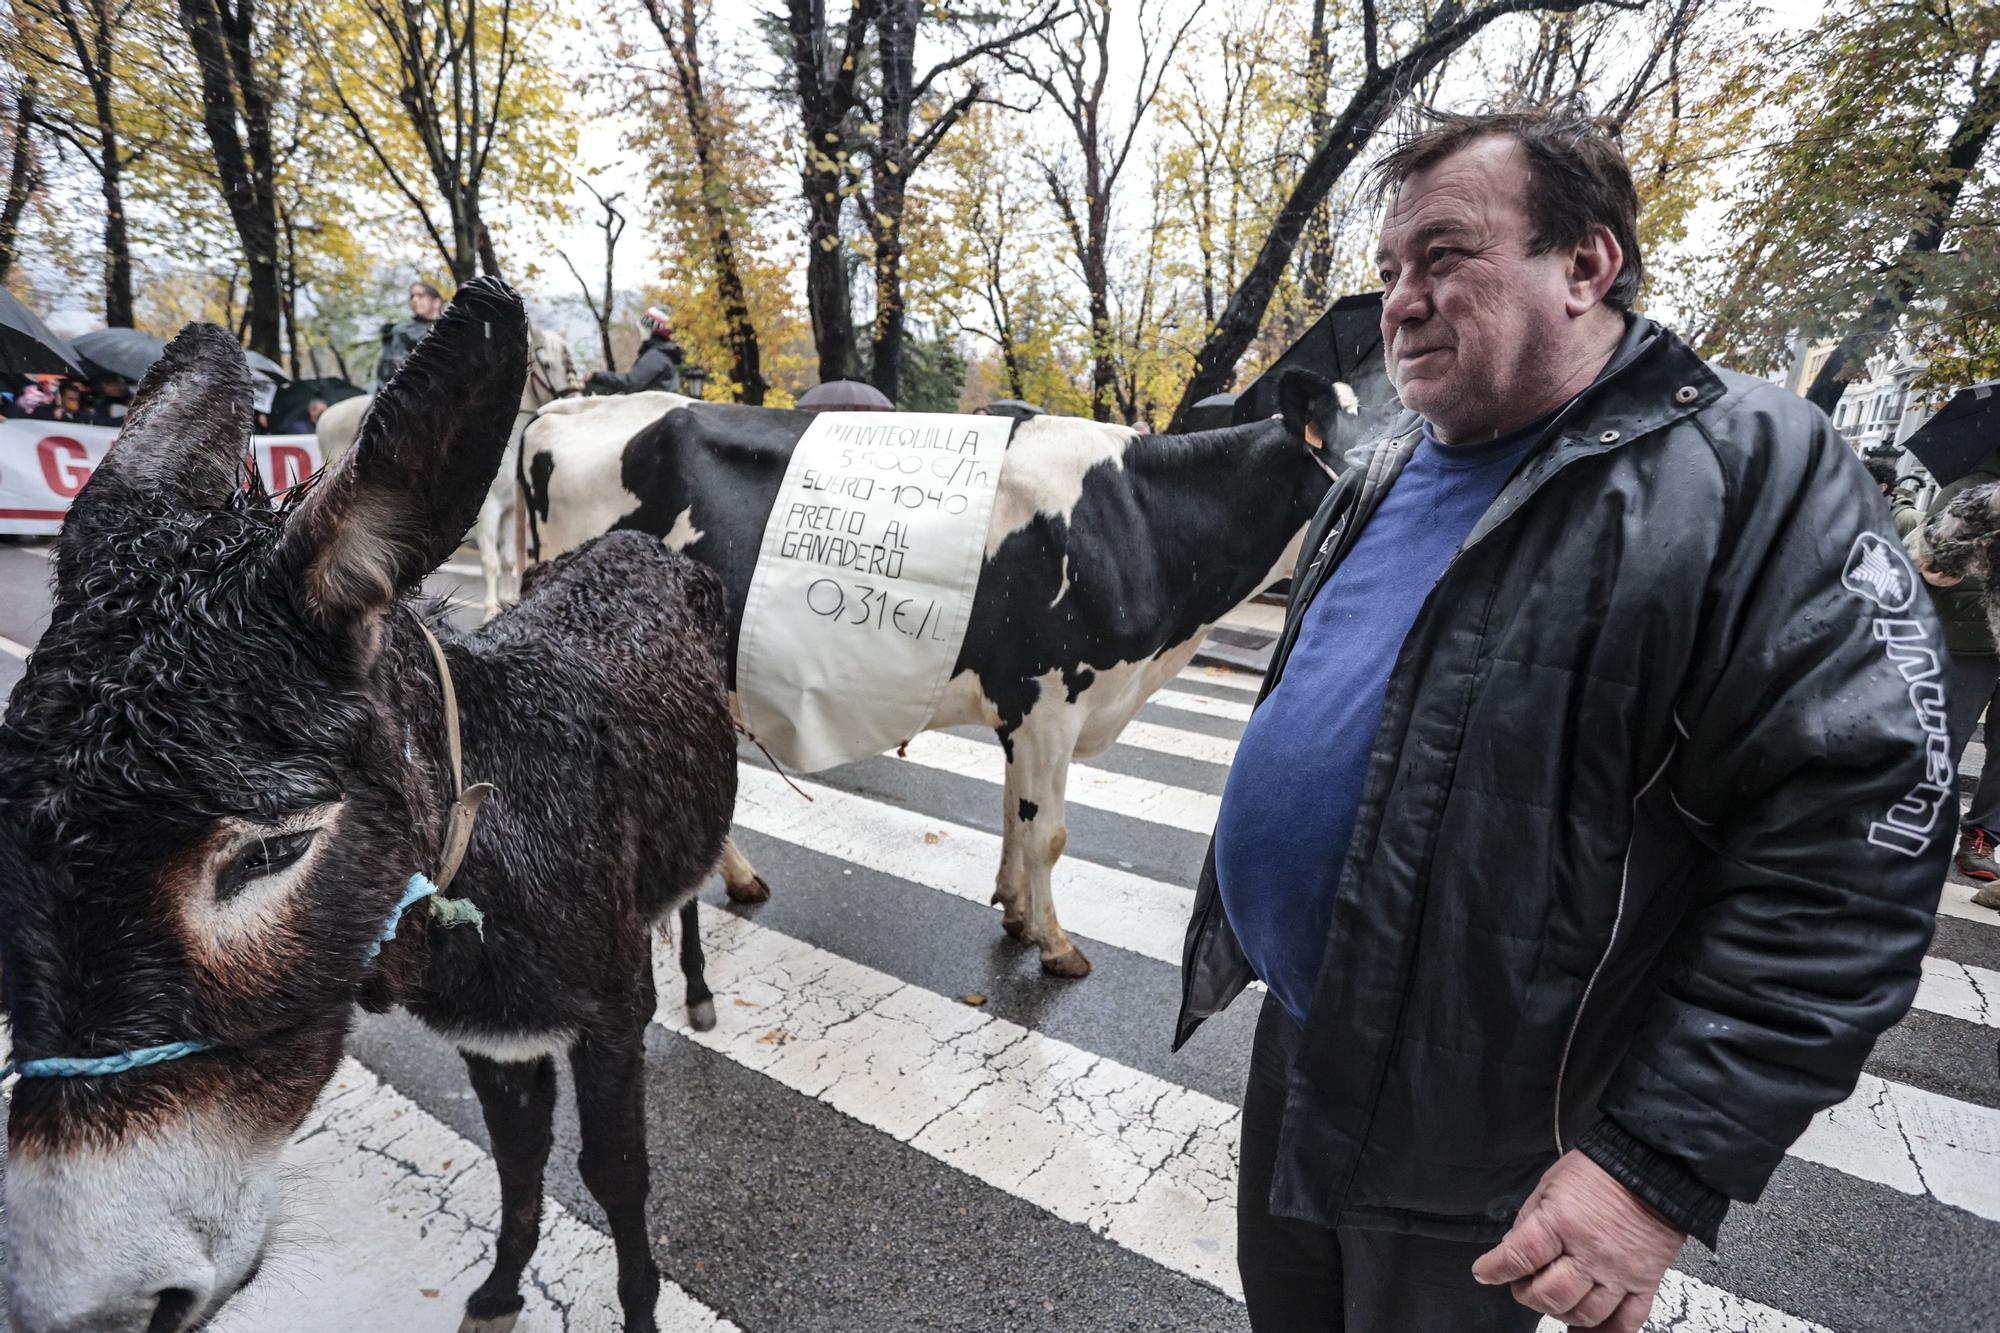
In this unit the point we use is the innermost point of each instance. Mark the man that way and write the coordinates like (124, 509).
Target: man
(306, 422)
(399, 340)
(1590, 827)
(656, 367)
(1975, 679)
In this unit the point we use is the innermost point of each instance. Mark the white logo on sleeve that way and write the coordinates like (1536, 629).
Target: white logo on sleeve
(1877, 570)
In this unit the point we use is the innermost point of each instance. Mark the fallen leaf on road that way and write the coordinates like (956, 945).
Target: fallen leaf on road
(775, 1037)
(975, 999)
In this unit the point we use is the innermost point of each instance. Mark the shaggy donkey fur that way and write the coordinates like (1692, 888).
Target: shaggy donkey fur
(224, 764)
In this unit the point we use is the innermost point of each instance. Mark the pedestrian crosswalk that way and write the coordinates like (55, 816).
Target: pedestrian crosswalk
(899, 1123)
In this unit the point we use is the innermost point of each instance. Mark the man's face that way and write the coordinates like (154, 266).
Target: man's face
(313, 410)
(1473, 327)
(423, 305)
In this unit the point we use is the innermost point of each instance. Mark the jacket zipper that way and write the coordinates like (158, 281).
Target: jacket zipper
(1618, 919)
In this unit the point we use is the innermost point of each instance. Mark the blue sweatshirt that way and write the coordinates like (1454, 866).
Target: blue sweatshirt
(1288, 808)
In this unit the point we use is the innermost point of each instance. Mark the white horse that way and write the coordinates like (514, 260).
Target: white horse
(552, 374)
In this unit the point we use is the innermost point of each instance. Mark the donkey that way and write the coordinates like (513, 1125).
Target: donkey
(230, 767)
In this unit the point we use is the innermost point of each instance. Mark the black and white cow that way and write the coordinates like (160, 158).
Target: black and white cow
(1108, 556)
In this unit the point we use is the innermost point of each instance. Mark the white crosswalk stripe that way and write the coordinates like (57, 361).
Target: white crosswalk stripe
(1136, 798)
(1228, 709)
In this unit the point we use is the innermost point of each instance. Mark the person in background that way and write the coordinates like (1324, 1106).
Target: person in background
(399, 340)
(1585, 833)
(39, 393)
(656, 367)
(113, 395)
(306, 422)
(1975, 681)
(68, 405)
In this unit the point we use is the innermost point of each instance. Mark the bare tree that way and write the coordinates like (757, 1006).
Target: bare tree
(905, 141)
(826, 80)
(1082, 187)
(83, 45)
(681, 34)
(233, 93)
(613, 227)
(448, 63)
(1382, 88)
(24, 175)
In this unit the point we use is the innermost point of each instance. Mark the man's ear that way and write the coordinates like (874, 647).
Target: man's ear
(398, 503)
(1593, 267)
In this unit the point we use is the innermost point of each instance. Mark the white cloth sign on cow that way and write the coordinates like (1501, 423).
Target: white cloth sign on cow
(43, 464)
(864, 581)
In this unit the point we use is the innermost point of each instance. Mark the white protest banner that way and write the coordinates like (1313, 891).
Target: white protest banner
(864, 581)
(43, 464)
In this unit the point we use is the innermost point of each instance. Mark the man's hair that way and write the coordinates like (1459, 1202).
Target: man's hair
(421, 286)
(1882, 470)
(1577, 177)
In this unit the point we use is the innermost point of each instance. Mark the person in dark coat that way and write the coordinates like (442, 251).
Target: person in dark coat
(656, 367)
(1590, 825)
(399, 340)
(1975, 683)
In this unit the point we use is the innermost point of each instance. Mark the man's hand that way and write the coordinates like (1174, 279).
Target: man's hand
(1584, 1250)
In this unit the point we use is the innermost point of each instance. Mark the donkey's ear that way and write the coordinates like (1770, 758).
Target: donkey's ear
(397, 504)
(189, 426)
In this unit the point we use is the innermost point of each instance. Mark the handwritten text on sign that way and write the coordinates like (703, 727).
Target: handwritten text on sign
(865, 580)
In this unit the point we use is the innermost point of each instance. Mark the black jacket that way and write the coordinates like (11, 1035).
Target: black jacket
(396, 348)
(1654, 825)
(658, 366)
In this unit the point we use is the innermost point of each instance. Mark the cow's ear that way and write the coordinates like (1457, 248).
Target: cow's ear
(398, 503)
(1312, 405)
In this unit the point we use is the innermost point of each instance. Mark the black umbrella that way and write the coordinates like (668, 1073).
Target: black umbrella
(1951, 443)
(27, 347)
(128, 352)
(1014, 407)
(293, 400)
(845, 396)
(1216, 410)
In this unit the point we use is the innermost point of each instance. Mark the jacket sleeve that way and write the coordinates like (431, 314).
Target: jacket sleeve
(1814, 769)
(646, 368)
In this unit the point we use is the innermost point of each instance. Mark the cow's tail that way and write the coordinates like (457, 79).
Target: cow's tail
(528, 498)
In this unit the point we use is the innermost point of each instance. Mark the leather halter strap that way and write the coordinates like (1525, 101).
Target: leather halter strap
(465, 804)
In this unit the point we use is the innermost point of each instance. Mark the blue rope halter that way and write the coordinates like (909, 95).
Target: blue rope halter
(71, 1066)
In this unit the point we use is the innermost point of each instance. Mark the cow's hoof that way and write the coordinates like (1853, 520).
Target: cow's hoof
(499, 1323)
(701, 1017)
(1069, 964)
(756, 891)
(1014, 925)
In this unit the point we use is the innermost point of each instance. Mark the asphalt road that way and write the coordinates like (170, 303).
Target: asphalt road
(855, 1148)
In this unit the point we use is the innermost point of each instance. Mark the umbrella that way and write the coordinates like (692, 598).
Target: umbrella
(27, 347)
(294, 398)
(1014, 407)
(128, 352)
(1951, 443)
(1216, 410)
(845, 396)
(1345, 345)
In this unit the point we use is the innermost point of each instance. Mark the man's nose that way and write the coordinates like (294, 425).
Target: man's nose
(1406, 300)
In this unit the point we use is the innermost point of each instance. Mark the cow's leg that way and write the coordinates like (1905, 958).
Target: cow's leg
(519, 1101)
(1039, 773)
(700, 1000)
(609, 1063)
(1010, 885)
(745, 885)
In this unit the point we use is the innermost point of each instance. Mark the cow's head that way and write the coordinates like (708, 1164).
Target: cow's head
(216, 779)
(1321, 413)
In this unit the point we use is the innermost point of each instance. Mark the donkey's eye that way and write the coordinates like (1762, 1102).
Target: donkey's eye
(261, 859)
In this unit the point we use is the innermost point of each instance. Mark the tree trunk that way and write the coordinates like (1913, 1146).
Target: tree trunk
(1380, 91)
(1968, 143)
(117, 241)
(826, 98)
(222, 46)
(1318, 267)
(740, 335)
(22, 177)
(897, 28)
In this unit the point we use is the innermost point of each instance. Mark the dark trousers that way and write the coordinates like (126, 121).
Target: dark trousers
(1300, 1278)
(1973, 681)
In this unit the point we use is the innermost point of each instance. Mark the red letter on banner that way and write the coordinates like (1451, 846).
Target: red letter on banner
(65, 475)
(290, 465)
